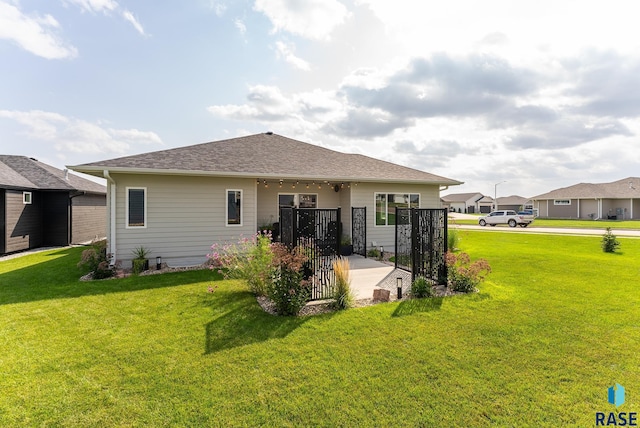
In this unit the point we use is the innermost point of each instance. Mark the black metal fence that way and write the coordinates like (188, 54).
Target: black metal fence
(359, 230)
(317, 232)
(421, 242)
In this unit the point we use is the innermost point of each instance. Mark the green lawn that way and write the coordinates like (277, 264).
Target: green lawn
(555, 324)
(582, 224)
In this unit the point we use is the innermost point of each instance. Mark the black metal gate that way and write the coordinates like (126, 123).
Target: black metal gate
(359, 230)
(317, 231)
(421, 242)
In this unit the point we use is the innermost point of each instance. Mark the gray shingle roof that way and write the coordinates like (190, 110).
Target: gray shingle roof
(264, 155)
(627, 188)
(21, 172)
(512, 200)
(461, 197)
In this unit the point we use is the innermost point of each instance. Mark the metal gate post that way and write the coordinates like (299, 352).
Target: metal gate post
(414, 244)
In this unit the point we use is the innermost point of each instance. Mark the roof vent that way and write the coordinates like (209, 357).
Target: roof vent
(269, 133)
(34, 159)
(66, 174)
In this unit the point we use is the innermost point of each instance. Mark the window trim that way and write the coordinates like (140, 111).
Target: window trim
(562, 202)
(127, 224)
(226, 206)
(27, 198)
(386, 207)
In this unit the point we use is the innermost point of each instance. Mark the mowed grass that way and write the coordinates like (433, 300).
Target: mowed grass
(555, 324)
(571, 224)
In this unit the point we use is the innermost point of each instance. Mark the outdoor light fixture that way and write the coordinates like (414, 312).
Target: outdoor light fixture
(158, 263)
(399, 284)
(381, 251)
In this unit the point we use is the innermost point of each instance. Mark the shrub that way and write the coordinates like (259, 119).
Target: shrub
(373, 253)
(421, 288)
(96, 260)
(343, 296)
(609, 242)
(465, 276)
(288, 290)
(250, 259)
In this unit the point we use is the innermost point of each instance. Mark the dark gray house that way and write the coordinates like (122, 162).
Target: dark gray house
(44, 206)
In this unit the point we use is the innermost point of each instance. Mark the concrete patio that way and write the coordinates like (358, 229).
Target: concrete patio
(369, 274)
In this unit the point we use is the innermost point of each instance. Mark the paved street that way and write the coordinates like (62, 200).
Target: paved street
(536, 229)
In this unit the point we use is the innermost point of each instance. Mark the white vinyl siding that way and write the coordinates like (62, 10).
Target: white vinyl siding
(185, 216)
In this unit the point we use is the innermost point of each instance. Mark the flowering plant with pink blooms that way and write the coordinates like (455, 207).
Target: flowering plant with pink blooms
(464, 275)
(289, 290)
(251, 259)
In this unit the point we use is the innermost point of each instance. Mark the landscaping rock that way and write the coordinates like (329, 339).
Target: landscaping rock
(381, 295)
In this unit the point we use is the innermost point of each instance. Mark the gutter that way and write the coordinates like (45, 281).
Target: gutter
(111, 205)
(99, 171)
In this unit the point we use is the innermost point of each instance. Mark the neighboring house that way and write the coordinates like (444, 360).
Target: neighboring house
(178, 202)
(44, 206)
(513, 202)
(468, 202)
(617, 200)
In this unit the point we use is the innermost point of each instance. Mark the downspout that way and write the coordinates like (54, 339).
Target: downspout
(440, 190)
(111, 206)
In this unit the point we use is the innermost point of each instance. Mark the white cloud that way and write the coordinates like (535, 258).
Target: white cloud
(286, 52)
(133, 21)
(219, 7)
(313, 19)
(35, 34)
(95, 6)
(106, 7)
(67, 134)
(240, 25)
(525, 31)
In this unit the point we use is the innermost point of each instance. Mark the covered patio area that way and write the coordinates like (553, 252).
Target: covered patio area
(368, 274)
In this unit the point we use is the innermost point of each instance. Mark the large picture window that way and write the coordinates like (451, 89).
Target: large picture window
(234, 207)
(136, 207)
(386, 204)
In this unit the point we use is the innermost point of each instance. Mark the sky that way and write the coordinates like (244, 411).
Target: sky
(511, 97)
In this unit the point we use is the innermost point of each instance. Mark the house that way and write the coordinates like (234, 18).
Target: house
(618, 200)
(44, 206)
(178, 202)
(468, 202)
(513, 202)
